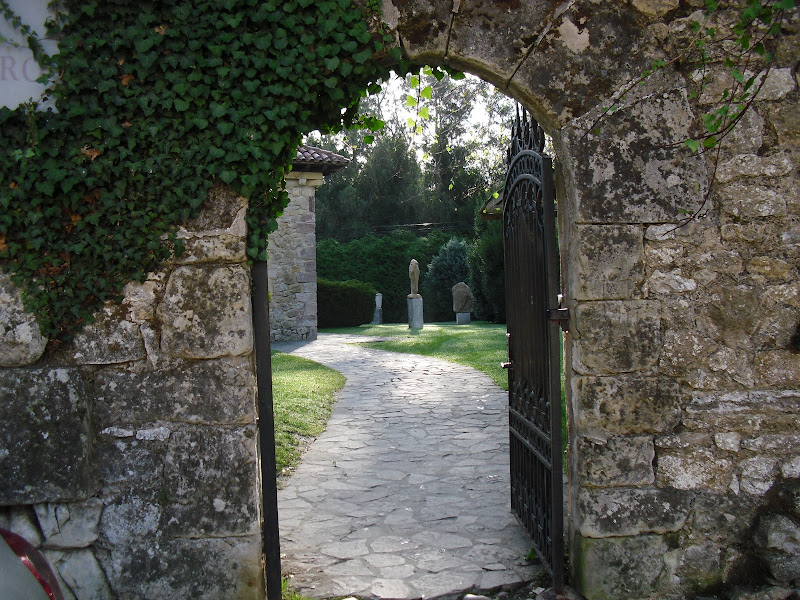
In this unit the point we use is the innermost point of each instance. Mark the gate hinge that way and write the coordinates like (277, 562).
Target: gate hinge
(561, 315)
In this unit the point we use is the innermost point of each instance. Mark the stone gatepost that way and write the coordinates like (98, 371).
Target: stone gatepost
(129, 457)
(681, 380)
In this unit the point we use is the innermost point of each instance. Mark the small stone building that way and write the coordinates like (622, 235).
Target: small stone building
(292, 248)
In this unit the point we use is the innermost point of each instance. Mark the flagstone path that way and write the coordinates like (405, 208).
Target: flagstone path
(406, 494)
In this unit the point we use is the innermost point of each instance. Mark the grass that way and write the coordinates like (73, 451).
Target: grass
(287, 593)
(303, 397)
(478, 345)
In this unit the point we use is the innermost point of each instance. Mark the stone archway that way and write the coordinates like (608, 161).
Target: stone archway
(682, 372)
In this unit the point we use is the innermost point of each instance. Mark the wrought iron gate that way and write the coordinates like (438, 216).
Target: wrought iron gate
(534, 355)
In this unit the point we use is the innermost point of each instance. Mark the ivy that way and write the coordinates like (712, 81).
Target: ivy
(152, 108)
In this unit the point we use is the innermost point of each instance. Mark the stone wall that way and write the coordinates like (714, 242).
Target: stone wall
(685, 390)
(130, 457)
(292, 262)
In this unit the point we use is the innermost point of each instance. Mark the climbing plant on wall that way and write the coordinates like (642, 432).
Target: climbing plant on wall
(155, 103)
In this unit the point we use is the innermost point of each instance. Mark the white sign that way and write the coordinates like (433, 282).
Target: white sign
(18, 69)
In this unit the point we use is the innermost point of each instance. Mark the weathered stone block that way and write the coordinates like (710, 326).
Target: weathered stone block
(22, 521)
(423, 25)
(206, 312)
(581, 57)
(752, 165)
(626, 404)
(684, 351)
(625, 511)
(778, 368)
(786, 121)
(627, 175)
(617, 461)
(223, 212)
(758, 474)
(670, 283)
(128, 464)
(44, 436)
(693, 469)
(617, 336)
(210, 479)
(21, 342)
(751, 201)
(655, 8)
(770, 267)
(231, 568)
(702, 565)
(81, 573)
(736, 311)
(608, 261)
(490, 40)
(218, 391)
(111, 339)
(748, 135)
(778, 538)
(127, 520)
(766, 411)
(726, 519)
(140, 298)
(730, 441)
(69, 525)
(774, 443)
(619, 568)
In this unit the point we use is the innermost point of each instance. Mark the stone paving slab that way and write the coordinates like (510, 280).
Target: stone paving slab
(406, 494)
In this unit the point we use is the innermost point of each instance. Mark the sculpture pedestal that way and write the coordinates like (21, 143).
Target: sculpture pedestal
(415, 313)
(463, 318)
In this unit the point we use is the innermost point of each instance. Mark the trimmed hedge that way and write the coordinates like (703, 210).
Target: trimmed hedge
(381, 262)
(344, 303)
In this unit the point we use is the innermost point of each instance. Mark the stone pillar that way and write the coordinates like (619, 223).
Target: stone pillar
(292, 262)
(377, 318)
(415, 320)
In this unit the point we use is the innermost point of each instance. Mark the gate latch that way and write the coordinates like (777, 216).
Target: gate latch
(561, 316)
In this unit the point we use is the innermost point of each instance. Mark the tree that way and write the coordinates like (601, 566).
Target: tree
(447, 268)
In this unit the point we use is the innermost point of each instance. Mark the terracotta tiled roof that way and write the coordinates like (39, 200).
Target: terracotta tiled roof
(319, 160)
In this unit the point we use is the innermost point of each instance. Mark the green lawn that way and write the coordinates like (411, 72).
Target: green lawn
(478, 345)
(302, 396)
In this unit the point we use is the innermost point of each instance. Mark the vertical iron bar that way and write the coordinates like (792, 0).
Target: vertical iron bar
(270, 535)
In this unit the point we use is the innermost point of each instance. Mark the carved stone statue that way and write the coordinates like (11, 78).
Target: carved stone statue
(413, 274)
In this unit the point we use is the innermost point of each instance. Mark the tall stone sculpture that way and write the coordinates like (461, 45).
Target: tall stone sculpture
(415, 320)
(413, 274)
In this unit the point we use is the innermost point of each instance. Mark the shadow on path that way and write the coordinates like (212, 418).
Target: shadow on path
(406, 494)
